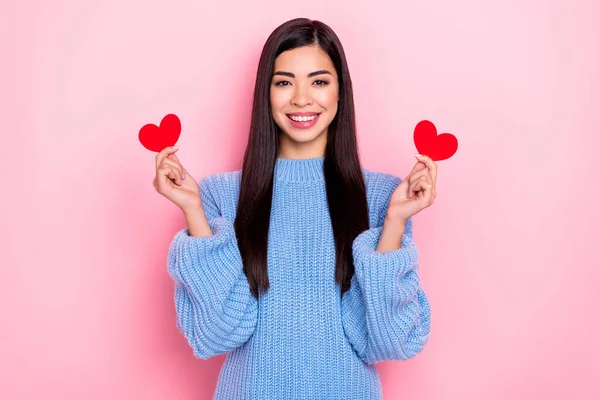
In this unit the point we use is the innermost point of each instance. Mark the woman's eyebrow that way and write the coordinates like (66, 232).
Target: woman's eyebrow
(319, 72)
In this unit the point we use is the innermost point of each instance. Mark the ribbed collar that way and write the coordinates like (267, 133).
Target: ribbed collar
(299, 169)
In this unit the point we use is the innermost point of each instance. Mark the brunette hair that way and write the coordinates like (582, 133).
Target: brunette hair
(346, 192)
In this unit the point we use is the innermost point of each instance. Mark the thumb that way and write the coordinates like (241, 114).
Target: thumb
(418, 167)
(175, 158)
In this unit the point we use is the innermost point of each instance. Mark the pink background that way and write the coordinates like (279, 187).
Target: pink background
(505, 252)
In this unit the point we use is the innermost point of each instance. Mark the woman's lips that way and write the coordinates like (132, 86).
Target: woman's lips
(304, 125)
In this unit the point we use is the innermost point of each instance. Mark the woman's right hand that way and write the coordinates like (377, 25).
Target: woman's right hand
(174, 182)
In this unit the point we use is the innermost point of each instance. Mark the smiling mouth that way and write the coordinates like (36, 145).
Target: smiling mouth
(304, 118)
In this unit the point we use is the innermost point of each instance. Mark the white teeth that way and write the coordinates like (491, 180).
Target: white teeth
(302, 119)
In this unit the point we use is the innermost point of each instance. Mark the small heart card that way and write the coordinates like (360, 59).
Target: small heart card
(156, 138)
(429, 143)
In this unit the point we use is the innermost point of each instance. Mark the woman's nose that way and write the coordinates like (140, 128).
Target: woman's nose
(301, 99)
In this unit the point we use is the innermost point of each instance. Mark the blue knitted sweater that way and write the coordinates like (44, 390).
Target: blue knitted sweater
(300, 340)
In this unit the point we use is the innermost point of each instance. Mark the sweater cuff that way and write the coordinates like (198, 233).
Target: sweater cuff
(391, 264)
(216, 258)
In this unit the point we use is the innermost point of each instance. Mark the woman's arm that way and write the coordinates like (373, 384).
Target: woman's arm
(197, 222)
(216, 311)
(385, 313)
(391, 235)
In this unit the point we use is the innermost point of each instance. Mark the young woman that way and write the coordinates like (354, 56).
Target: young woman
(301, 266)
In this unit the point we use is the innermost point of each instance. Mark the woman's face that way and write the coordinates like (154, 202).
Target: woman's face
(294, 91)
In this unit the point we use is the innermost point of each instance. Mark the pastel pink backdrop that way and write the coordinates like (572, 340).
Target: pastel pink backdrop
(507, 252)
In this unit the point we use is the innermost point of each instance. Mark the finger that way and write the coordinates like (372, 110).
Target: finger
(424, 191)
(174, 164)
(418, 174)
(426, 171)
(430, 164)
(175, 177)
(427, 192)
(411, 192)
(417, 167)
(413, 189)
(414, 178)
(420, 185)
(175, 168)
(426, 174)
(430, 180)
(176, 159)
(170, 172)
(417, 170)
(164, 153)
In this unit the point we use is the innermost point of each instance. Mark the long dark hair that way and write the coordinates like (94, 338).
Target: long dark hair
(346, 192)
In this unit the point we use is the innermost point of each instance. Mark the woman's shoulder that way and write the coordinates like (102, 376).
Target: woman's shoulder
(221, 178)
(222, 188)
(379, 187)
(378, 181)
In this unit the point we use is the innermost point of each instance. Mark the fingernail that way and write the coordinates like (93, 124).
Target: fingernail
(176, 147)
(183, 175)
(418, 155)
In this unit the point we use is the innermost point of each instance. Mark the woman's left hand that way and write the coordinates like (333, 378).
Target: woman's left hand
(415, 192)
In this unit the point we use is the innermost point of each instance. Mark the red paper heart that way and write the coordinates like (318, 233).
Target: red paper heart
(429, 143)
(156, 138)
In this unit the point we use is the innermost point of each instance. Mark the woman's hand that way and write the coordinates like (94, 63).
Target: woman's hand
(415, 192)
(174, 182)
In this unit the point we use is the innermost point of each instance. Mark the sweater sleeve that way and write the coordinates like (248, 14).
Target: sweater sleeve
(215, 309)
(385, 313)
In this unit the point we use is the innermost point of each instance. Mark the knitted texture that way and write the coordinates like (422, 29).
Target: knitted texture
(299, 340)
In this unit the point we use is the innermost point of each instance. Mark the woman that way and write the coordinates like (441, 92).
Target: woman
(300, 267)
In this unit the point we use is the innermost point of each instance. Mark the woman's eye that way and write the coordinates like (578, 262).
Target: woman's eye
(281, 83)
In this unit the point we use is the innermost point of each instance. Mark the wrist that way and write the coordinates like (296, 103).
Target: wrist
(193, 211)
(391, 235)
(197, 222)
(400, 221)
